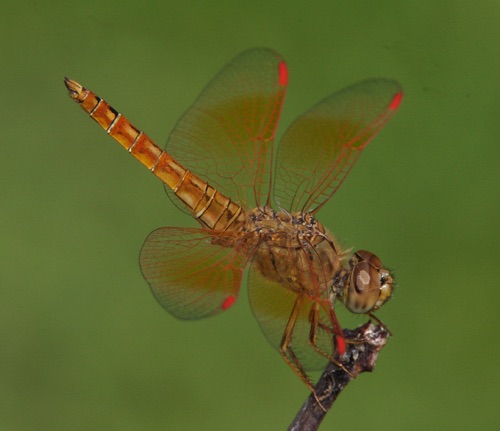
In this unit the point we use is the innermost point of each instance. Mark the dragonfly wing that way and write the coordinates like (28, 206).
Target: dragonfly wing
(226, 136)
(321, 146)
(273, 304)
(190, 274)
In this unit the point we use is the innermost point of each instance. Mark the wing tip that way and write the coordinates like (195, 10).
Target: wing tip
(282, 73)
(396, 101)
(228, 302)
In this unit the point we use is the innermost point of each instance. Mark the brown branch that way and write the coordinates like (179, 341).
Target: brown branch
(360, 357)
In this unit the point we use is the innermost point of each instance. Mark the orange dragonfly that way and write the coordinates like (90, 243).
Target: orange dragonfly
(258, 210)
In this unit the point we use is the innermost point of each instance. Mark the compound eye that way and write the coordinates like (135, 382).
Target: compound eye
(370, 285)
(369, 257)
(364, 289)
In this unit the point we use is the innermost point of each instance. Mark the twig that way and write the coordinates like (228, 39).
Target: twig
(361, 356)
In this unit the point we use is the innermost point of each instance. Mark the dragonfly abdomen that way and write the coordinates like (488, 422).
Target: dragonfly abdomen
(210, 207)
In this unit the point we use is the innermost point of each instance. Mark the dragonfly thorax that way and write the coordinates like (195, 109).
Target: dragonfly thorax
(295, 250)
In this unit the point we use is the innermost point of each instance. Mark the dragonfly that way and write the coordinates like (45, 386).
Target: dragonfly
(257, 207)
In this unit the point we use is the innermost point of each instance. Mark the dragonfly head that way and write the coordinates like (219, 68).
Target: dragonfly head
(369, 285)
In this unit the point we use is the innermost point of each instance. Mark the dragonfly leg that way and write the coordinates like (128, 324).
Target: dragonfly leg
(289, 356)
(379, 322)
(315, 323)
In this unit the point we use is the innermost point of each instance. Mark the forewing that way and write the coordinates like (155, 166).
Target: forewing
(226, 136)
(190, 272)
(320, 147)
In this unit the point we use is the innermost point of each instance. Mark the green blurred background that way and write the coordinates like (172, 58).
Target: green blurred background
(83, 344)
